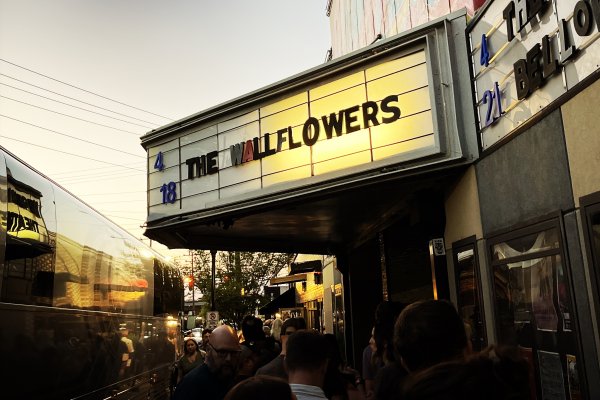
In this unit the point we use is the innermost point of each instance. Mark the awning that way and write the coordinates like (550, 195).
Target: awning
(306, 266)
(286, 300)
(288, 279)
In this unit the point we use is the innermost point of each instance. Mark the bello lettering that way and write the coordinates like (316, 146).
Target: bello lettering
(330, 126)
(540, 62)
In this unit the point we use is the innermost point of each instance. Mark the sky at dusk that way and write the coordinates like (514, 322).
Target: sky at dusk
(82, 80)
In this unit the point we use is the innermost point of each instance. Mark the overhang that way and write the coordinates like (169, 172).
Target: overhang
(320, 222)
(285, 300)
(288, 279)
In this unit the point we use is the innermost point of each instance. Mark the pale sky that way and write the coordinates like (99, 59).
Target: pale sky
(172, 58)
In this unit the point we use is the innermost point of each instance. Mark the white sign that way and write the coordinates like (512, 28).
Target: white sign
(525, 55)
(438, 246)
(212, 319)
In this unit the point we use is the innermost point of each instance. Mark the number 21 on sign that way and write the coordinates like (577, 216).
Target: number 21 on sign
(493, 102)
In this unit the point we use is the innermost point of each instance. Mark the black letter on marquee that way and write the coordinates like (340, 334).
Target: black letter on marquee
(308, 140)
(268, 150)
(191, 163)
(533, 68)
(351, 119)
(535, 7)
(582, 18)
(508, 14)
(521, 79)
(293, 145)
(549, 61)
(280, 139)
(567, 51)
(596, 11)
(257, 154)
(521, 14)
(334, 122)
(237, 150)
(385, 107)
(211, 162)
(369, 109)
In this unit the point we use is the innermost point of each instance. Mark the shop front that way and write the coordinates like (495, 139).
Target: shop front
(535, 70)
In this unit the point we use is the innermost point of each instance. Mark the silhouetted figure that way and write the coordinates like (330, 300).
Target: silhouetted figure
(429, 332)
(276, 367)
(261, 350)
(388, 370)
(341, 381)
(493, 374)
(261, 388)
(306, 363)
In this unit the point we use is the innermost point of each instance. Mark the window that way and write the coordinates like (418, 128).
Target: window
(468, 290)
(590, 215)
(533, 305)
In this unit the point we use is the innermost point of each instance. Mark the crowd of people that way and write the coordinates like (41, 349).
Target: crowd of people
(417, 351)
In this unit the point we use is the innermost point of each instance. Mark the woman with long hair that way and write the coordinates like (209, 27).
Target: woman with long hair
(191, 358)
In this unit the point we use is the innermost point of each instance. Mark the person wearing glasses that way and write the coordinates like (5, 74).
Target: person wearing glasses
(213, 379)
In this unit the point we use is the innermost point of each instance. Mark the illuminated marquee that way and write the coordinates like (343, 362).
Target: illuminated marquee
(344, 121)
(371, 117)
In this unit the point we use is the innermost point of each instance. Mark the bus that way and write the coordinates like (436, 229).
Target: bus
(87, 311)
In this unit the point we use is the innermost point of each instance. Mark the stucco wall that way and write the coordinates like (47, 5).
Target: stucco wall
(581, 118)
(463, 216)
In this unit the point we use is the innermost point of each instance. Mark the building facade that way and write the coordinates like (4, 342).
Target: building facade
(357, 23)
(457, 159)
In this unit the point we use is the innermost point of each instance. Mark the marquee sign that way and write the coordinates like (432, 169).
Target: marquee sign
(372, 117)
(398, 106)
(526, 54)
(343, 122)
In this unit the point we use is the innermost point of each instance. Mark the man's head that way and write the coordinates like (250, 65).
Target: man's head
(205, 335)
(306, 357)
(252, 329)
(428, 332)
(223, 352)
(292, 325)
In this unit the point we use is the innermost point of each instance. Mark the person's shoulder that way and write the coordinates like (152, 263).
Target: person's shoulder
(390, 373)
(201, 372)
(274, 368)
(367, 351)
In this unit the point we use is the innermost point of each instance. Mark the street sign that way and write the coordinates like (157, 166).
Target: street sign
(212, 319)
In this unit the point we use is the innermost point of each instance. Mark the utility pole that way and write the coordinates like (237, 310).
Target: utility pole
(213, 254)
(193, 285)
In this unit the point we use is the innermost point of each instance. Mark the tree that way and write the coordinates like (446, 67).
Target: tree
(239, 279)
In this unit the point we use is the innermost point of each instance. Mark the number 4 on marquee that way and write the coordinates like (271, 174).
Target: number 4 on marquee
(158, 163)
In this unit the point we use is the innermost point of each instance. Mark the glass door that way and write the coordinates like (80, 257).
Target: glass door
(468, 290)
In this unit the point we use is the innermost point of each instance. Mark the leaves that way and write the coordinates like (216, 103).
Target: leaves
(235, 271)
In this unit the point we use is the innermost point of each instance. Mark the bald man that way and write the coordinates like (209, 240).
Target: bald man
(214, 378)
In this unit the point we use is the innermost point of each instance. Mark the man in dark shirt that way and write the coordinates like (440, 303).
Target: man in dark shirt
(275, 367)
(214, 378)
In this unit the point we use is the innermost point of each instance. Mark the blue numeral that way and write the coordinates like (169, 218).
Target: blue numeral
(494, 105)
(169, 192)
(484, 59)
(158, 163)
